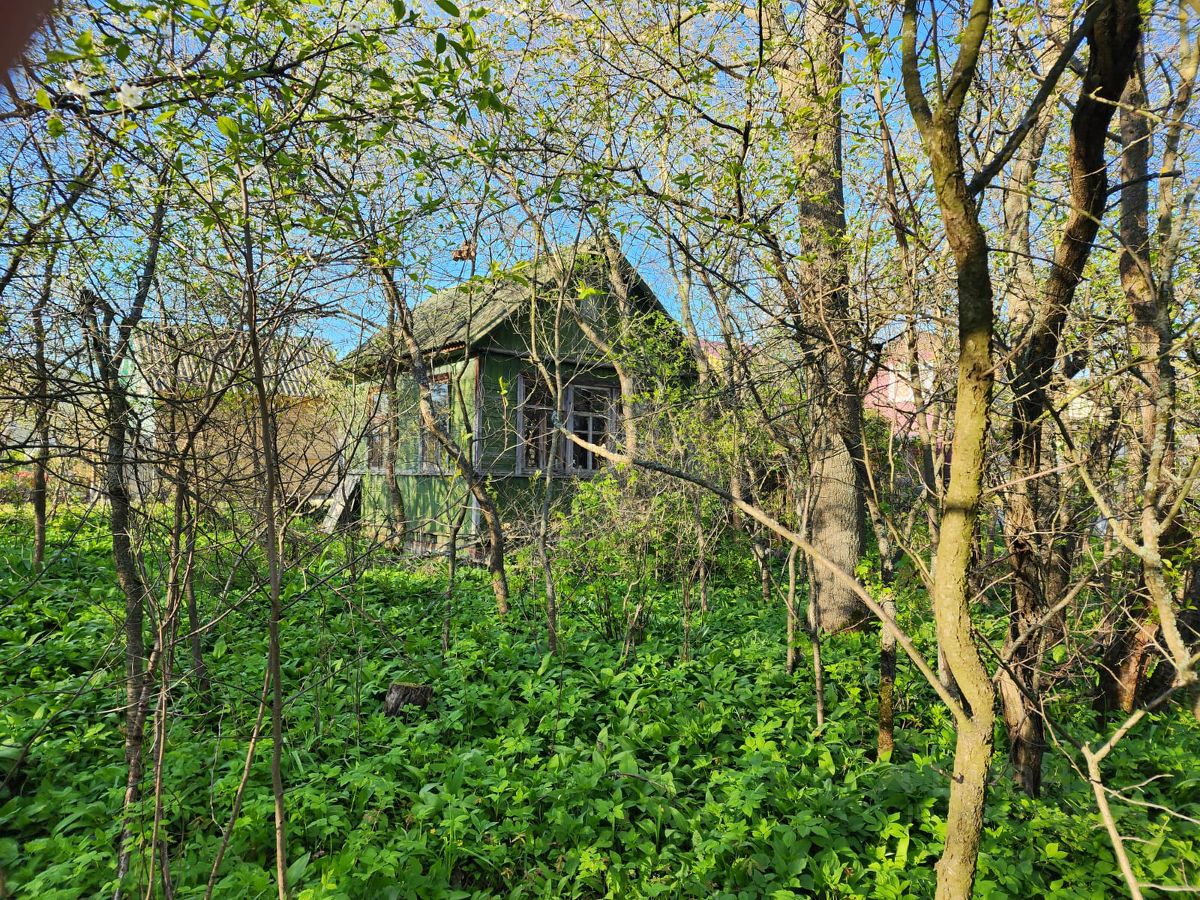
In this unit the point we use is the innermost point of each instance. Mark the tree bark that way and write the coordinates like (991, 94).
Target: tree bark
(1031, 535)
(41, 422)
(939, 128)
(397, 519)
(272, 543)
(1150, 295)
(808, 70)
(110, 352)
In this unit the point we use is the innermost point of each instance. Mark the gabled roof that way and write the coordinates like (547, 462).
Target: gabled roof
(465, 314)
(174, 360)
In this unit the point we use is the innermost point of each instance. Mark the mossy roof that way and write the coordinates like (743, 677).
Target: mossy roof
(464, 315)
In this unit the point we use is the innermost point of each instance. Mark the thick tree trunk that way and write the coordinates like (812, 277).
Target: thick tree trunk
(836, 529)
(808, 71)
(1030, 528)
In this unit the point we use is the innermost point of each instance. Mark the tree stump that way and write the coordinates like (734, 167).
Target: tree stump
(402, 696)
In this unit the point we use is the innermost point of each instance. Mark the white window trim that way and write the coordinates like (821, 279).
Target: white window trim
(562, 466)
(610, 425)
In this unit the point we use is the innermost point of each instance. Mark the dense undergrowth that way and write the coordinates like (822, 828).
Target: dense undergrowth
(529, 776)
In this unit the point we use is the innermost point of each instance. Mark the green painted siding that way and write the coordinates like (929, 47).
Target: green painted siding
(499, 439)
(432, 498)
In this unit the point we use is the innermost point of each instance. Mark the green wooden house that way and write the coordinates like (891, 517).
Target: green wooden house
(497, 349)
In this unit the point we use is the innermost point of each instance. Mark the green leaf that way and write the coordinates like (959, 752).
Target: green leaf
(439, 44)
(296, 870)
(43, 99)
(228, 126)
(449, 7)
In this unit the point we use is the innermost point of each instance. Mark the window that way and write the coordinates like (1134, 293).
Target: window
(591, 409)
(376, 443)
(537, 424)
(433, 454)
(376, 436)
(589, 414)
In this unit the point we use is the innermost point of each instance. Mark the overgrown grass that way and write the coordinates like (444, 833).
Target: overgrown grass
(529, 776)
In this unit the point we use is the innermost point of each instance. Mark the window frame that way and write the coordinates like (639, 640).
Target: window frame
(563, 464)
(376, 437)
(431, 456)
(376, 446)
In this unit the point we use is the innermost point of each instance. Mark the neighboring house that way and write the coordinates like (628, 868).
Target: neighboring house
(490, 345)
(894, 391)
(178, 374)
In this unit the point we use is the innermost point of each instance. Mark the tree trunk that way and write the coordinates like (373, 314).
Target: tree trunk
(195, 631)
(272, 544)
(939, 129)
(41, 423)
(544, 537)
(792, 617)
(1030, 528)
(1152, 338)
(476, 483)
(451, 575)
(808, 71)
(886, 739)
(397, 518)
